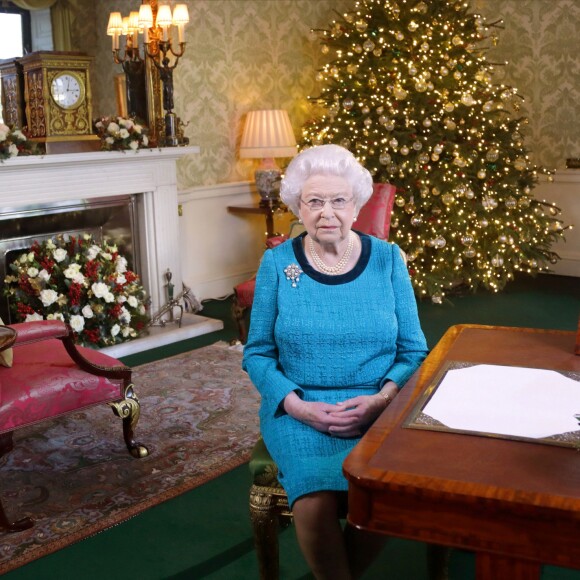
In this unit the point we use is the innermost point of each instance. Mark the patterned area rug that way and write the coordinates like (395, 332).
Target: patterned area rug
(75, 477)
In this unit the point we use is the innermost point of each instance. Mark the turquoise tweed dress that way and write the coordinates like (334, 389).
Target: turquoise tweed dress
(329, 338)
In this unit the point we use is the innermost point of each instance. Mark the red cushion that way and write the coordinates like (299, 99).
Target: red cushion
(44, 383)
(375, 216)
(275, 241)
(245, 293)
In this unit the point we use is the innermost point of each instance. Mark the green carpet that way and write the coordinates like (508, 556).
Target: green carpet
(206, 532)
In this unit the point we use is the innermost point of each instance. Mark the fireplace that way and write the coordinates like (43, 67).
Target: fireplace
(110, 218)
(141, 185)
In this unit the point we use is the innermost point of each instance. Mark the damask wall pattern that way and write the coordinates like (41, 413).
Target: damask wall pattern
(541, 43)
(250, 54)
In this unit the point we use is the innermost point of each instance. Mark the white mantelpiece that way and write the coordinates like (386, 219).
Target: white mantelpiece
(41, 180)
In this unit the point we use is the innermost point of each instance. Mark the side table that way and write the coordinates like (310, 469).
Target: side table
(268, 211)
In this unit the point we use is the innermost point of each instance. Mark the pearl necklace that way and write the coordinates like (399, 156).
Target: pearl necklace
(340, 265)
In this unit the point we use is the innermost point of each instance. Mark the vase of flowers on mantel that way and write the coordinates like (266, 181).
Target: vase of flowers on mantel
(81, 282)
(121, 134)
(13, 142)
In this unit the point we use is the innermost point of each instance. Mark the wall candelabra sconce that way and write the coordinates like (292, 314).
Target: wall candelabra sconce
(156, 24)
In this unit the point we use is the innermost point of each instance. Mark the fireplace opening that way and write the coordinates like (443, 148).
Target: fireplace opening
(107, 218)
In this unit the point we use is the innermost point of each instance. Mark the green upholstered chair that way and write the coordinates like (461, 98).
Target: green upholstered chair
(269, 510)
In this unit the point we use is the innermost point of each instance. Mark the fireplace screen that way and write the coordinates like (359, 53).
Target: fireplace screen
(112, 219)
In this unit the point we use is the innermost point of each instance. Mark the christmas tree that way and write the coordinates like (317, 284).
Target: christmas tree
(408, 89)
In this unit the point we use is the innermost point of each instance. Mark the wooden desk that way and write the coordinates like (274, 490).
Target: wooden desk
(267, 211)
(515, 504)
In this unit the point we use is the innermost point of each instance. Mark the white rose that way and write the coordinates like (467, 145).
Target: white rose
(78, 278)
(77, 322)
(112, 128)
(93, 252)
(33, 317)
(127, 123)
(44, 275)
(138, 128)
(115, 330)
(32, 272)
(132, 302)
(134, 145)
(12, 150)
(59, 254)
(86, 237)
(121, 299)
(109, 140)
(87, 311)
(50, 245)
(123, 133)
(109, 297)
(126, 331)
(142, 309)
(125, 316)
(145, 141)
(31, 257)
(99, 125)
(107, 256)
(23, 258)
(120, 265)
(48, 297)
(100, 289)
(121, 279)
(72, 271)
(4, 130)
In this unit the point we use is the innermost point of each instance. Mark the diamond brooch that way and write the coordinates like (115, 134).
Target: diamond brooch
(293, 274)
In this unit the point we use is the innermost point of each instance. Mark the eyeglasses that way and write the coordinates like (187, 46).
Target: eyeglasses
(316, 204)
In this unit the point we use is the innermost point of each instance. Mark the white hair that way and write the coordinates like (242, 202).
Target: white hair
(325, 160)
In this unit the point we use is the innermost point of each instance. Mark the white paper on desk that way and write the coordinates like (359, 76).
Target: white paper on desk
(506, 400)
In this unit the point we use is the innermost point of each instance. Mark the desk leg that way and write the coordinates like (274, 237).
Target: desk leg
(492, 567)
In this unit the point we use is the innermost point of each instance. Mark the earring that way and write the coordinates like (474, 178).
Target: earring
(354, 219)
(299, 220)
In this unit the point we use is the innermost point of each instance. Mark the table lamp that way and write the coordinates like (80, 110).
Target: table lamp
(268, 134)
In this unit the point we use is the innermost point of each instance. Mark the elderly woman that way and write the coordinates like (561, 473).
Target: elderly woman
(334, 335)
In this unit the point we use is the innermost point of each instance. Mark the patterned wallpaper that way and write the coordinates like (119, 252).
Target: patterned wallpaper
(249, 54)
(541, 43)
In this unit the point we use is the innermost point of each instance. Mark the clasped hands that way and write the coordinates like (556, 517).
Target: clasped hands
(348, 418)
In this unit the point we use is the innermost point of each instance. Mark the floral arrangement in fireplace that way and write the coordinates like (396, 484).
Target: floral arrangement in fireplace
(13, 142)
(84, 283)
(120, 134)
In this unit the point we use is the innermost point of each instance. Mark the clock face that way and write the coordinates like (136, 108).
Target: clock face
(67, 90)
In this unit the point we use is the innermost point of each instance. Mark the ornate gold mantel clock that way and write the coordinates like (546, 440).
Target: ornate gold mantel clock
(58, 98)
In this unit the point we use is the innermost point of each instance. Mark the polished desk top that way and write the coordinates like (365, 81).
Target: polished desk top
(482, 493)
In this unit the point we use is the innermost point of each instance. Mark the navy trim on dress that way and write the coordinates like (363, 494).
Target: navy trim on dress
(328, 279)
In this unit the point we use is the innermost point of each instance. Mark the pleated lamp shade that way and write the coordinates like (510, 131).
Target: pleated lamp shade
(267, 134)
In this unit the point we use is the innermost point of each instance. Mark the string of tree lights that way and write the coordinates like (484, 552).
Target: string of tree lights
(408, 89)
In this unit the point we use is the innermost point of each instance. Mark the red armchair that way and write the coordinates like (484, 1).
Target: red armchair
(374, 219)
(49, 377)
